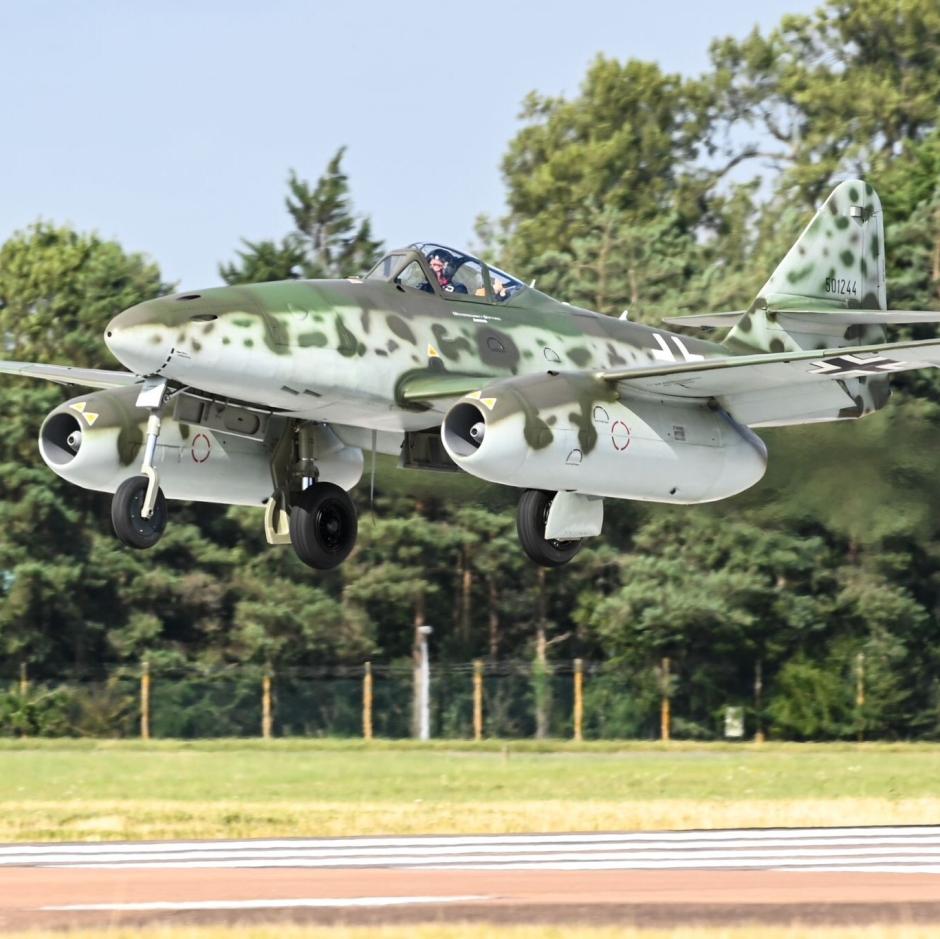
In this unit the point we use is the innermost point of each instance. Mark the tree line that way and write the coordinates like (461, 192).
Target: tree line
(654, 192)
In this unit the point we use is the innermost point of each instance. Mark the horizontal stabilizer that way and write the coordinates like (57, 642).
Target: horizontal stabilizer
(69, 375)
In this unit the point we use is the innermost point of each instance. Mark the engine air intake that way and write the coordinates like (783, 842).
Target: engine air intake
(464, 428)
(60, 439)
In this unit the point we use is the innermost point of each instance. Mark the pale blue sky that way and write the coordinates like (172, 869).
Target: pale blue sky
(171, 126)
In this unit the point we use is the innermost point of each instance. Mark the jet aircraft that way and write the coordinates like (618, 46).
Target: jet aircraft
(271, 394)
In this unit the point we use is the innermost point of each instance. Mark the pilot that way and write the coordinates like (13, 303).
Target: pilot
(442, 264)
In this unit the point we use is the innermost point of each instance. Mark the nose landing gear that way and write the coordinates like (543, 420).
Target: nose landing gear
(131, 525)
(138, 509)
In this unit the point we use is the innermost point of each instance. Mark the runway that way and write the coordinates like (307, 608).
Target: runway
(836, 875)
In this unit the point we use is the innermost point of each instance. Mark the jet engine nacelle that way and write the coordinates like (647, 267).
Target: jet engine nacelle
(96, 441)
(573, 432)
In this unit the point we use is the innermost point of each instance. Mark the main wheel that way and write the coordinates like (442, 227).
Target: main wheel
(530, 524)
(323, 526)
(127, 514)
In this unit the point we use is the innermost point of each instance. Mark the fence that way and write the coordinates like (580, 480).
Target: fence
(575, 699)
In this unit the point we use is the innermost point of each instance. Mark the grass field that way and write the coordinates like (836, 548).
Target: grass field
(85, 790)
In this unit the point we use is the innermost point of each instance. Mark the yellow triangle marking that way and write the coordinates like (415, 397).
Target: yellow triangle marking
(432, 352)
(475, 394)
(91, 418)
(80, 407)
(489, 402)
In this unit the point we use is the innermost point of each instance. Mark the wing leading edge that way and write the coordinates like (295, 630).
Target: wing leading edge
(69, 375)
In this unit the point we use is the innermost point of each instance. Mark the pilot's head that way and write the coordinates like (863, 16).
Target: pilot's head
(441, 263)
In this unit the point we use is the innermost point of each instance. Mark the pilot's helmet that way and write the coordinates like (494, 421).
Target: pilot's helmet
(446, 258)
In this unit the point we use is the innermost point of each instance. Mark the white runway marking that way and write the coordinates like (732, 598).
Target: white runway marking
(913, 849)
(303, 902)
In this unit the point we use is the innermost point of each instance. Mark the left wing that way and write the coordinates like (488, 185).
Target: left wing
(70, 375)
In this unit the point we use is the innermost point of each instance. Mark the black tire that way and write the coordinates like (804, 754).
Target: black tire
(530, 524)
(323, 526)
(129, 524)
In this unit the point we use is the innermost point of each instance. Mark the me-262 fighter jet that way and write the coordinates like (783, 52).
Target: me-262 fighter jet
(270, 394)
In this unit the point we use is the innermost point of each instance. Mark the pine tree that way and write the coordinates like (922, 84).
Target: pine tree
(327, 239)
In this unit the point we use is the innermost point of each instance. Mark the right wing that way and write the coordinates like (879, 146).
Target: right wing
(806, 316)
(70, 375)
(780, 387)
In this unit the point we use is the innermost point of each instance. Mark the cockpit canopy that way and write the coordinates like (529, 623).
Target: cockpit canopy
(436, 269)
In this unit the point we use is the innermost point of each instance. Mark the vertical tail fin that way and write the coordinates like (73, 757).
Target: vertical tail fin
(837, 263)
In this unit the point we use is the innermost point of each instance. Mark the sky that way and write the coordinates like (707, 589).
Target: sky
(171, 127)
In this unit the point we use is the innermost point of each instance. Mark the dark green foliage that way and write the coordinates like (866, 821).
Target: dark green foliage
(637, 193)
(326, 240)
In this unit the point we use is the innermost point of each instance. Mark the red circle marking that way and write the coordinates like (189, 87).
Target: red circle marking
(203, 455)
(618, 438)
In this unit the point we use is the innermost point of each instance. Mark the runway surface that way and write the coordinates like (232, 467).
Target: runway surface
(835, 875)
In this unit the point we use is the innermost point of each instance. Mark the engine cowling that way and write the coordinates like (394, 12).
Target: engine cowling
(96, 441)
(573, 432)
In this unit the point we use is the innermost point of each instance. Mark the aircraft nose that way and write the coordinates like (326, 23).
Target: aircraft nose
(138, 340)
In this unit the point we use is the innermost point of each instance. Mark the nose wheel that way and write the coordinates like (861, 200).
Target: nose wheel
(323, 526)
(131, 525)
(138, 509)
(530, 525)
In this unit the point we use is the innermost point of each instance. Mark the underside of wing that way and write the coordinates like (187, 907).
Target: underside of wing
(782, 387)
(69, 375)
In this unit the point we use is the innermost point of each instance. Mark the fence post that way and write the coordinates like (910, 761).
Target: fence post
(267, 712)
(665, 716)
(145, 701)
(24, 680)
(759, 700)
(578, 698)
(860, 693)
(367, 702)
(478, 699)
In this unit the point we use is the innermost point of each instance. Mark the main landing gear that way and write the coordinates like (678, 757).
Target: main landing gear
(530, 525)
(323, 526)
(138, 509)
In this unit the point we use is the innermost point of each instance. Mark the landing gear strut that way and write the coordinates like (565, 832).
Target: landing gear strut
(530, 525)
(323, 526)
(138, 509)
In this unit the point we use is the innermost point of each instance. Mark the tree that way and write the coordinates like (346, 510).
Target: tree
(842, 90)
(622, 146)
(326, 240)
(59, 289)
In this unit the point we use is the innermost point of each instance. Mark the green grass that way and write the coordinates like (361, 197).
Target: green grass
(338, 771)
(117, 789)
